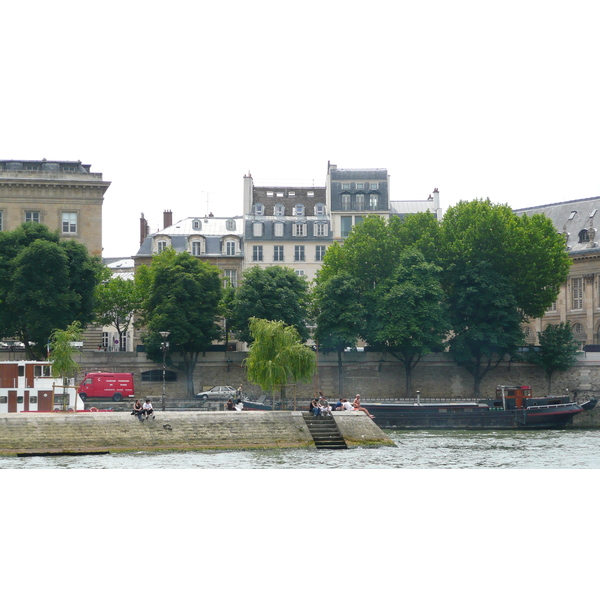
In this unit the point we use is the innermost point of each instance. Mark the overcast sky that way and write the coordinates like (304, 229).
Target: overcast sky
(174, 102)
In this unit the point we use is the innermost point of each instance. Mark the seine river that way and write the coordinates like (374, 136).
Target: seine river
(553, 449)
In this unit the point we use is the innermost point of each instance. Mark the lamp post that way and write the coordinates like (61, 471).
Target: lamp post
(164, 345)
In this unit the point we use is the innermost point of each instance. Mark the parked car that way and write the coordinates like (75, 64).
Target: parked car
(218, 392)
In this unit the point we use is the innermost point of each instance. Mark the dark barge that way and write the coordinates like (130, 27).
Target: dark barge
(514, 407)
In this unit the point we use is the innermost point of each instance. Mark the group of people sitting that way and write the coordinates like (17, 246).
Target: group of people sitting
(239, 405)
(319, 407)
(143, 411)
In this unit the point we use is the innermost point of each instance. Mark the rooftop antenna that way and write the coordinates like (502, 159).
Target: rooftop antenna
(207, 193)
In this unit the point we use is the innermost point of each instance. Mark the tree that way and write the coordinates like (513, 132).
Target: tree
(45, 284)
(411, 317)
(182, 296)
(275, 293)
(558, 350)
(62, 349)
(339, 314)
(498, 270)
(277, 356)
(116, 302)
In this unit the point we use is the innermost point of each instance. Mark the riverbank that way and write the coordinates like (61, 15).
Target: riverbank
(69, 432)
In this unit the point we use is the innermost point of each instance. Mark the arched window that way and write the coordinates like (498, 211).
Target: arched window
(196, 225)
(584, 236)
(230, 225)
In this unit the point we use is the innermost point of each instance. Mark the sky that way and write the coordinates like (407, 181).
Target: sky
(175, 102)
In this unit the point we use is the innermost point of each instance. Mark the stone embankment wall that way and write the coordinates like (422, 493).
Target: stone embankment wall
(27, 433)
(371, 374)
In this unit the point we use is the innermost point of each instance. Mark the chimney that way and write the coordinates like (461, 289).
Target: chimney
(144, 229)
(436, 203)
(167, 219)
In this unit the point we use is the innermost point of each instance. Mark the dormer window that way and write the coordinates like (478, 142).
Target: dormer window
(310, 193)
(584, 236)
(299, 210)
(572, 215)
(196, 225)
(230, 225)
(279, 210)
(374, 186)
(319, 210)
(259, 210)
(360, 186)
(345, 186)
(291, 194)
(162, 245)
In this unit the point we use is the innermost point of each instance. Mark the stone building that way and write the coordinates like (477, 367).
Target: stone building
(578, 302)
(287, 226)
(64, 195)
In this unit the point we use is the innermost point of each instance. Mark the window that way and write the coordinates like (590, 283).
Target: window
(257, 253)
(345, 186)
(157, 375)
(299, 272)
(277, 253)
(278, 229)
(346, 226)
(279, 210)
(553, 307)
(374, 186)
(42, 371)
(32, 217)
(360, 186)
(105, 344)
(320, 253)
(291, 194)
(69, 222)
(196, 248)
(299, 229)
(299, 210)
(345, 201)
(259, 210)
(196, 224)
(373, 201)
(230, 225)
(230, 248)
(280, 194)
(578, 329)
(577, 290)
(230, 278)
(269, 193)
(299, 253)
(360, 202)
(321, 229)
(584, 236)
(572, 215)
(319, 210)
(310, 194)
(161, 246)
(358, 220)
(257, 229)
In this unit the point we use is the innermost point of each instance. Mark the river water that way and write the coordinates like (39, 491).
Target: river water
(548, 449)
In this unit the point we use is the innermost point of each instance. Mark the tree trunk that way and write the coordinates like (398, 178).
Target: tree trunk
(340, 354)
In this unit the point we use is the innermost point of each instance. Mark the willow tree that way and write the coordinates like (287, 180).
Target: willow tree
(277, 357)
(61, 353)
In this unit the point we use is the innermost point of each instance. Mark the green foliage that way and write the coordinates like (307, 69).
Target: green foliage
(277, 357)
(558, 350)
(498, 270)
(183, 296)
(45, 284)
(62, 350)
(274, 293)
(410, 313)
(116, 302)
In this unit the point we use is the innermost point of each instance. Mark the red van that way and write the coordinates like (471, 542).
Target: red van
(102, 386)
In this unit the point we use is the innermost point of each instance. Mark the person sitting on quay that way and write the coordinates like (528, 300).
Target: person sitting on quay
(357, 406)
(148, 410)
(138, 410)
(325, 409)
(230, 404)
(239, 405)
(315, 407)
(339, 405)
(346, 405)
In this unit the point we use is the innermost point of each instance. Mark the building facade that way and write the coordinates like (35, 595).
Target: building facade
(64, 195)
(578, 302)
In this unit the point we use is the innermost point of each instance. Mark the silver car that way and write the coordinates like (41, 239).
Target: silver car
(218, 392)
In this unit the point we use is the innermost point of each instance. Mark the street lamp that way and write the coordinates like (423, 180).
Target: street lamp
(164, 345)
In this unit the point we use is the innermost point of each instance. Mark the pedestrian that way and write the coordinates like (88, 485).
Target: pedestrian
(148, 410)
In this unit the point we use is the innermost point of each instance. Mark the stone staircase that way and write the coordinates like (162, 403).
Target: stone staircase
(324, 432)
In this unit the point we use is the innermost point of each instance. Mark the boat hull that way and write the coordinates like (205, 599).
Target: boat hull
(414, 416)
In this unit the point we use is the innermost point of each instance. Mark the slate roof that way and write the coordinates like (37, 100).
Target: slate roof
(572, 217)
